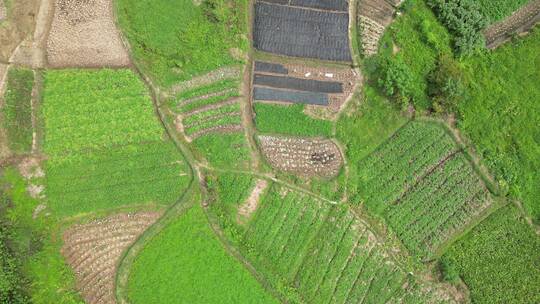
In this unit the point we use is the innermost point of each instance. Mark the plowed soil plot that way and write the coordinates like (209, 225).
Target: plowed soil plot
(93, 250)
(302, 156)
(519, 22)
(83, 34)
(300, 32)
(373, 18)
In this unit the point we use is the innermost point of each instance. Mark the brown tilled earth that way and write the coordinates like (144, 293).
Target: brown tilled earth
(305, 157)
(83, 34)
(94, 250)
(18, 26)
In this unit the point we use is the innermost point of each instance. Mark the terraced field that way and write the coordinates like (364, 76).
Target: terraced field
(210, 117)
(422, 184)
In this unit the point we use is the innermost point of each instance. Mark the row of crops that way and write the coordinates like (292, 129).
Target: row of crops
(106, 148)
(314, 251)
(210, 116)
(422, 184)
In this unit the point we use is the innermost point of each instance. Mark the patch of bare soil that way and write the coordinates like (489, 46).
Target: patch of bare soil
(304, 157)
(94, 250)
(520, 22)
(373, 18)
(250, 206)
(83, 34)
(18, 26)
(3, 12)
(4, 147)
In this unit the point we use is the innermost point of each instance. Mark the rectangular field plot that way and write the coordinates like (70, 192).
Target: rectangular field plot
(425, 188)
(268, 94)
(323, 252)
(269, 67)
(298, 84)
(332, 5)
(300, 32)
(106, 148)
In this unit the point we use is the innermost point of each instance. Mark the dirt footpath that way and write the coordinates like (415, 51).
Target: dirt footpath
(83, 34)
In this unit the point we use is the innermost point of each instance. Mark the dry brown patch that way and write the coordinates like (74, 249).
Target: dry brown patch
(373, 18)
(250, 206)
(304, 157)
(3, 12)
(94, 250)
(83, 34)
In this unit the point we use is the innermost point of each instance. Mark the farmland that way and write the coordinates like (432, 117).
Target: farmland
(186, 263)
(17, 110)
(423, 185)
(106, 147)
(310, 248)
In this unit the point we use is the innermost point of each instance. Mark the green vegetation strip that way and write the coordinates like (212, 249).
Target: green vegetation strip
(228, 150)
(105, 150)
(194, 119)
(185, 263)
(17, 109)
(290, 120)
(222, 121)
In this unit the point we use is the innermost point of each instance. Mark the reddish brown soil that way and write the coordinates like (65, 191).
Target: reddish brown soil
(94, 250)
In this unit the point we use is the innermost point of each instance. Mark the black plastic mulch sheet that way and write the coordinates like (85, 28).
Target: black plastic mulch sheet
(269, 67)
(300, 32)
(285, 82)
(334, 5)
(269, 94)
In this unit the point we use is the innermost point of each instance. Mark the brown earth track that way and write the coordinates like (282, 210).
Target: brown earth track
(521, 21)
(83, 34)
(94, 250)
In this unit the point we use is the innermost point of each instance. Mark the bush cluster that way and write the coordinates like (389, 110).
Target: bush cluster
(464, 20)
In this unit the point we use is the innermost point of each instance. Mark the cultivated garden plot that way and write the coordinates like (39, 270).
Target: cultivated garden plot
(519, 22)
(422, 184)
(324, 90)
(104, 144)
(324, 253)
(301, 32)
(94, 250)
(373, 18)
(210, 117)
(302, 156)
(83, 34)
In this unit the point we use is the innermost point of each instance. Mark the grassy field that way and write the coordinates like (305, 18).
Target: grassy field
(224, 150)
(289, 120)
(501, 115)
(424, 187)
(364, 125)
(173, 43)
(312, 251)
(496, 10)
(499, 259)
(17, 109)
(186, 263)
(106, 148)
(44, 276)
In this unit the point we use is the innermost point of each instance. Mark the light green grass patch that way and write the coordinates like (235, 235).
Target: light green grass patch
(290, 120)
(228, 150)
(185, 263)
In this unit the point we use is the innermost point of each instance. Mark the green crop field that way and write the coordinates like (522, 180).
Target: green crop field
(496, 10)
(498, 260)
(106, 147)
(17, 110)
(185, 263)
(313, 251)
(173, 43)
(289, 119)
(422, 184)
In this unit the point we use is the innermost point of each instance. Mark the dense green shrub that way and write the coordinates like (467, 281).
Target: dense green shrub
(464, 20)
(446, 85)
(395, 80)
(11, 280)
